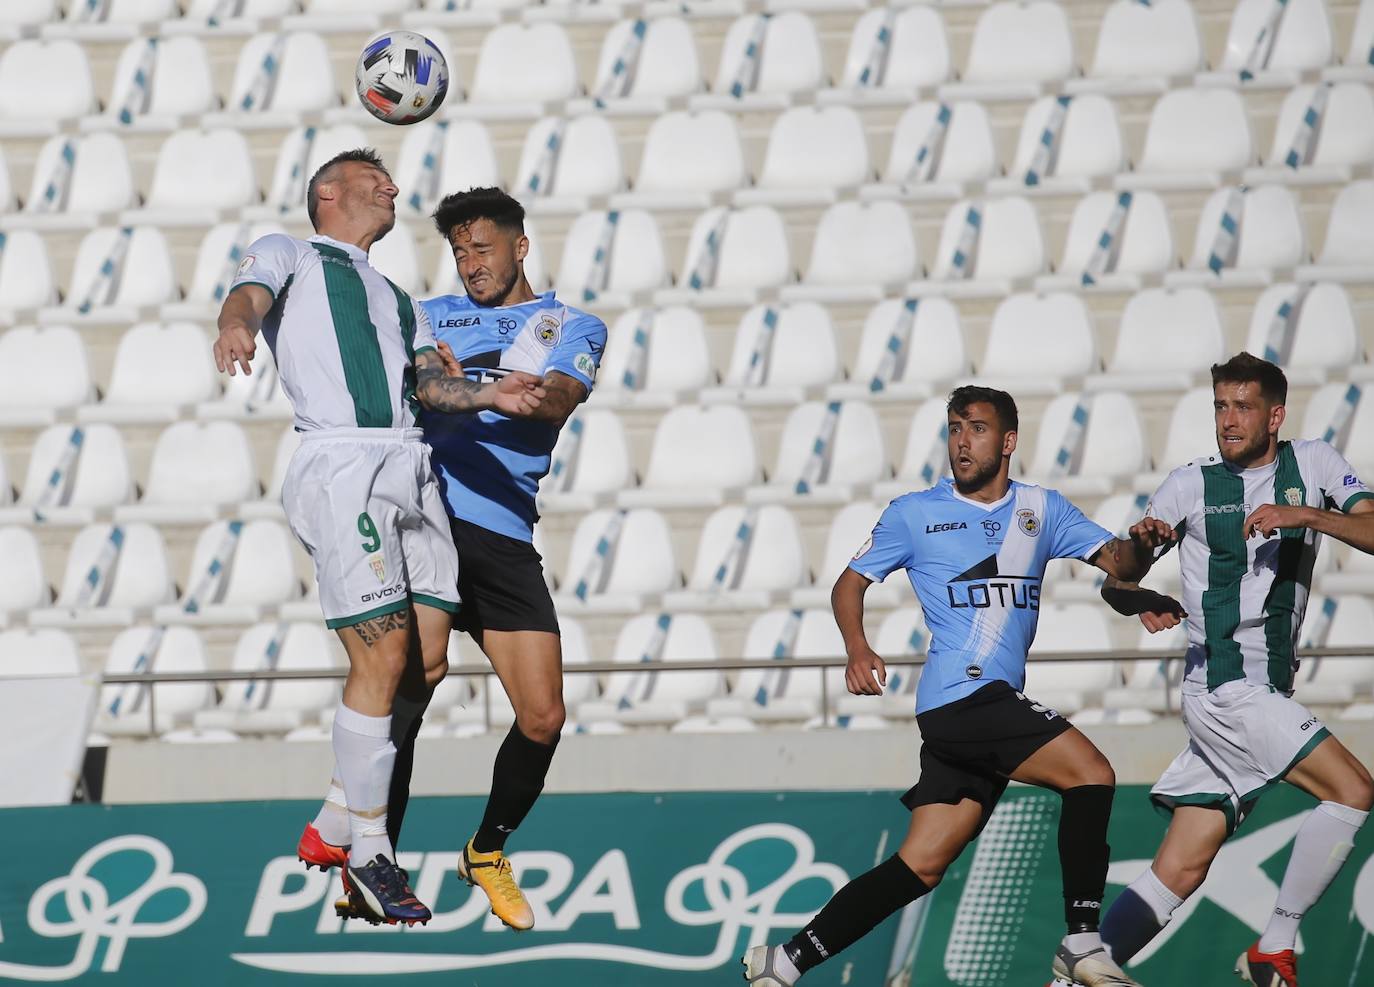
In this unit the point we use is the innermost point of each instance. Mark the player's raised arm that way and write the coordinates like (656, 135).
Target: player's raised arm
(847, 602)
(439, 389)
(240, 318)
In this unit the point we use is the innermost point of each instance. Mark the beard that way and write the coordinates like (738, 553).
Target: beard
(1244, 452)
(499, 290)
(983, 472)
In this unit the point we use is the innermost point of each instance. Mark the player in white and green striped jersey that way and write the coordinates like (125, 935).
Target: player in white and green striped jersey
(1248, 523)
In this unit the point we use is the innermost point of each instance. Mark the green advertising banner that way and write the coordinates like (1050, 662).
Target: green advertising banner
(642, 890)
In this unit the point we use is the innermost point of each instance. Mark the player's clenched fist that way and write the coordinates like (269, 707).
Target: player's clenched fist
(1150, 533)
(519, 393)
(860, 671)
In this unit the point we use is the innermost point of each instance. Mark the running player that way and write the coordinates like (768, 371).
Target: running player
(355, 354)
(489, 467)
(975, 550)
(1249, 521)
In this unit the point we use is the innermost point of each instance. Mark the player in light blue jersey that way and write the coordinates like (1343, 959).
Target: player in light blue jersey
(489, 467)
(975, 548)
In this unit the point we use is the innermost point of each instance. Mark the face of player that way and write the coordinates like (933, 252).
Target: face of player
(490, 260)
(978, 448)
(367, 195)
(1247, 424)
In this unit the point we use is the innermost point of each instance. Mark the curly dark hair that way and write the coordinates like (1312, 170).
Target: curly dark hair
(464, 208)
(1245, 368)
(961, 397)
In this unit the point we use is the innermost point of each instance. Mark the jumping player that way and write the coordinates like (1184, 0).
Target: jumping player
(975, 550)
(1249, 521)
(357, 358)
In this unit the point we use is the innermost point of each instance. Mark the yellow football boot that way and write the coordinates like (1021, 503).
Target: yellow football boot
(492, 873)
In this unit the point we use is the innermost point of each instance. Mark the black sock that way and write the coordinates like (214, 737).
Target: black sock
(398, 796)
(856, 910)
(517, 780)
(1084, 853)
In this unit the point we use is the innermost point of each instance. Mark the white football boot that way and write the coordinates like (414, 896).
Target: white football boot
(760, 971)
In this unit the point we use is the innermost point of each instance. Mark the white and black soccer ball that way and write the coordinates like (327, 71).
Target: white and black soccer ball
(402, 77)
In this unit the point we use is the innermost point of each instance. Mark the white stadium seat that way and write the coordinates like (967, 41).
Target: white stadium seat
(1092, 457)
(1036, 341)
(859, 248)
(7, 202)
(125, 710)
(1269, 237)
(26, 275)
(1017, 47)
(667, 64)
(1152, 684)
(1070, 686)
(1143, 245)
(698, 454)
(780, 351)
(23, 587)
(591, 461)
(634, 260)
(657, 697)
(740, 250)
(156, 87)
(141, 274)
(1140, 46)
(137, 578)
(26, 13)
(902, 633)
(1344, 137)
(1309, 330)
(963, 151)
(326, 8)
(925, 458)
(29, 653)
(743, 557)
(1335, 622)
(586, 163)
(1348, 253)
(126, 12)
(59, 70)
(1301, 40)
(826, 450)
(202, 10)
(1183, 322)
(234, 575)
(196, 469)
(917, 51)
(1009, 245)
(200, 174)
(687, 156)
(438, 157)
(1356, 575)
(301, 79)
(397, 256)
(42, 371)
(276, 707)
(92, 471)
(1192, 434)
(524, 63)
(1357, 58)
(787, 61)
(616, 559)
(1194, 135)
(1088, 145)
(813, 153)
(849, 528)
(662, 350)
(157, 369)
(790, 694)
(98, 179)
(908, 347)
(300, 155)
(1343, 414)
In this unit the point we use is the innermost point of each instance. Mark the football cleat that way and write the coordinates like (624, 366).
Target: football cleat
(1095, 968)
(1268, 969)
(492, 873)
(760, 971)
(315, 852)
(379, 892)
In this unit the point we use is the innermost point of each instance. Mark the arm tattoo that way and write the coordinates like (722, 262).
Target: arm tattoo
(563, 395)
(439, 392)
(372, 631)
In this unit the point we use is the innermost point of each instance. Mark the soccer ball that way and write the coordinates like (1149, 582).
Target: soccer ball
(402, 77)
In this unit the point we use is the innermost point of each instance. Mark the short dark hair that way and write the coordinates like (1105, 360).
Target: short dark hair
(1244, 368)
(464, 208)
(312, 193)
(1003, 403)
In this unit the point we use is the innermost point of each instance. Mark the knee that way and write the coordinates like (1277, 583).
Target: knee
(543, 722)
(1182, 877)
(1358, 792)
(930, 870)
(386, 664)
(435, 670)
(1094, 771)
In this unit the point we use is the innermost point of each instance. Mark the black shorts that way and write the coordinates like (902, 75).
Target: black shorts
(500, 583)
(971, 746)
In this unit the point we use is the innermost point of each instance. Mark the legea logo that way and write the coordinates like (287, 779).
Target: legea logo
(91, 915)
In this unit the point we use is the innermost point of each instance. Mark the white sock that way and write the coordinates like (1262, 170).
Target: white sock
(1082, 942)
(784, 965)
(1138, 915)
(332, 820)
(1322, 844)
(365, 756)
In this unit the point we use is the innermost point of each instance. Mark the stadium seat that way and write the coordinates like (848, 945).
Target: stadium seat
(566, 161)
(76, 180)
(610, 257)
(157, 370)
(618, 559)
(1299, 41)
(278, 77)
(397, 257)
(1308, 329)
(902, 634)
(26, 276)
(849, 528)
(29, 653)
(1358, 63)
(788, 694)
(731, 255)
(1335, 622)
(779, 352)
(438, 157)
(744, 556)
(196, 469)
(1194, 136)
(662, 64)
(1152, 684)
(523, 64)
(209, 12)
(485, 696)
(250, 397)
(1140, 46)
(117, 271)
(445, 280)
(1192, 434)
(925, 458)
(655, 357)
(1085, 144)
(1356, 575)
(19, 14)
(23, 587)
(42, 371)
(1114, 238)
(827, 449)
(1037, 341)
(252, 707)
(128, 710)
(299, 156)
(1070, 686)
(1245, 235)
(113, 572)
(1185, 323)
(1341, 139)
(1343, 415)
(985, 245)
(57, 69)
(813, 154)
(218, 257)
(591, 462)
(74, 472)
(1090, 443)
(657, 697)
(199, 177)
(1017, 48)
(859, 249)
(121, 12)
(157, 82)
(893, 53)
(698, 454)
(937, 149)
(7, 200)
(238, 570)
(909, 347)
(686, 158)
(1348, 254)
(331, 8)
(765, 59)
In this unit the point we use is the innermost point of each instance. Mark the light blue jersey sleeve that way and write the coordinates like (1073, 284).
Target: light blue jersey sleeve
(1072, 536)
(578, 353)
(888, 548)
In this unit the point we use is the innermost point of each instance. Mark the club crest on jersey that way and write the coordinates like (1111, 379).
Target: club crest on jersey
(246, 264)
(378, 567)
(549, 330)
(1294, 497)
(1028, 522)
(863, 549)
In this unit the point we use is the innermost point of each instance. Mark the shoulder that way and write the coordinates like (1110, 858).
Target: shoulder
(443, 303)
(1314, 450)
(277, 244)
(907, 505)
(583, 323)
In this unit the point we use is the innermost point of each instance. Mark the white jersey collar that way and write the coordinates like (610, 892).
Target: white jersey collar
(352, 249)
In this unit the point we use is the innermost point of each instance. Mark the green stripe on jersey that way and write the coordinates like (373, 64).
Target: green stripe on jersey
(359, 350)
(1223, 498)
(1294, 566)
(405, 310)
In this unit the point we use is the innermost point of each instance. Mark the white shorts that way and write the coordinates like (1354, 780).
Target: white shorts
(1242, 739)
(366, 506)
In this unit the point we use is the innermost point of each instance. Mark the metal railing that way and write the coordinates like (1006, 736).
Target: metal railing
(151, 679)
